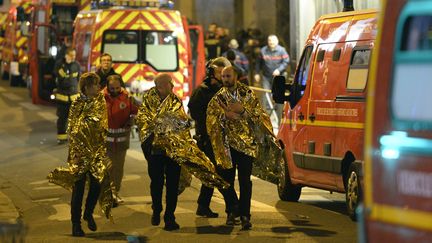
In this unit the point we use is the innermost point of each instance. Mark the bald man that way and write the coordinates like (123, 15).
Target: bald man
(160, 166)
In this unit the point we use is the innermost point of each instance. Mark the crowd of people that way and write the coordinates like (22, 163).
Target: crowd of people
(255, 60)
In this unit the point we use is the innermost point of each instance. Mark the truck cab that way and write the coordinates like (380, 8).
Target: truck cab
(322, 124)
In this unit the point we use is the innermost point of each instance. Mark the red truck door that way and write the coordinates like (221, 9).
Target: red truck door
(42, 61)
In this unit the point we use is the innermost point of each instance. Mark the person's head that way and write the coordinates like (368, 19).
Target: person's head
(229, 77)
(106, 61)
(272, 41)
(231, 56)
(233, 44)
(89, 84)
(220, 31)
(212, 27)
(218, 64)
(70, 55)
(114, 85)
(164, 85)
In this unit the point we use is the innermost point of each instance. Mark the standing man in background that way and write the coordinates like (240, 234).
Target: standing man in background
(67, 72)
(273, 61)
(121, 111)
(105, 69)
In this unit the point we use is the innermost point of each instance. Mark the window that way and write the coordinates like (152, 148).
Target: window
(418, 35)
(156, 48)
(161, 50)
(359, 68)
(411, 86)
(122, 45)
(300, 80)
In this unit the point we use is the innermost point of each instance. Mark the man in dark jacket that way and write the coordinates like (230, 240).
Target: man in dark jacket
(273, 61)
(105, 69)
(67, 73)
(201, 96)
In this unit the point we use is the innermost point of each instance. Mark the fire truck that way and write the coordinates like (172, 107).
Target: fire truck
(398, 134)
(22, 21)
(143, 40)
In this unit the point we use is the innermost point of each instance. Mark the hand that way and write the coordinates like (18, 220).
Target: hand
(257, 77)
(276, 72)
(230, 115)
(236, 107)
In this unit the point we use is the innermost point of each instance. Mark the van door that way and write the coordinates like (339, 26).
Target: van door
(44, 48)
(321, 114)
(196, 35)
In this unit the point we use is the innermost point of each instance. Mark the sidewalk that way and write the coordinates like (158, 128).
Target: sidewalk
(11, 230)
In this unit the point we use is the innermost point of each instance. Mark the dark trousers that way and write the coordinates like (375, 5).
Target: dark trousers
(160, 168)
(62, 114)
(243, 163)
(206, 193)
(77, 197)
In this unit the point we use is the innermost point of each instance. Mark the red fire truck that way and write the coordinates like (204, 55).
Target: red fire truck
(398, 134)
(143, 39)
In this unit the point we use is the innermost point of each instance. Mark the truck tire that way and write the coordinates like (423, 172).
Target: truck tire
(287, 191)
(353, 192)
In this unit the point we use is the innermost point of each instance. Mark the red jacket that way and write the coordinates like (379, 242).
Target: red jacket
(119, 109)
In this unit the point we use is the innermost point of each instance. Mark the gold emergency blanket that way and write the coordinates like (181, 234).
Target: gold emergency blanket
(252, 135)
(87, 129)
(170, 125)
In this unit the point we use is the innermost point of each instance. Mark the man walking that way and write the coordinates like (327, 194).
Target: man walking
(236, 123)
(200, 98)
(121, 111)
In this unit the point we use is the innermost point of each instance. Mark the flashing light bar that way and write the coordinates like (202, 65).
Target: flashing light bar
(132, 3)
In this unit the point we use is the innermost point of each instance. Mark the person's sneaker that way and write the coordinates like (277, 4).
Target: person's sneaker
(245, 222)
(171, 225)
(155, 219)
(77, 230)
(119, 199)
(206, 212)
(91, 224)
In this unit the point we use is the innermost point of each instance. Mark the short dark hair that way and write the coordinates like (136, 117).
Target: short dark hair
(105, 55)
(88, 79)
(114, 77)
(69, 50)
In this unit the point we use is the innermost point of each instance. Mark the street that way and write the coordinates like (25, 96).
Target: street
(29, 151)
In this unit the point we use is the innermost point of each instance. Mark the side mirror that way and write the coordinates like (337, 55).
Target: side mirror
(280, 90)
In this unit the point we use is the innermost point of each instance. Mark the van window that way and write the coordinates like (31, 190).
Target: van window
(300, 80)
(411, 98)
(161, 50)
(417, 33)
(122, 45)
(358, 70)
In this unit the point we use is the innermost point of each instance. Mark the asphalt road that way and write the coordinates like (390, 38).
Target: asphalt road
(28, 151)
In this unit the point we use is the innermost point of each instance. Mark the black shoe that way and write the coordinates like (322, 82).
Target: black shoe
(231, 219)
(91, 224)
(206, 212)
(77, 231)
(245, 222)
(155, 219)
(171, 225)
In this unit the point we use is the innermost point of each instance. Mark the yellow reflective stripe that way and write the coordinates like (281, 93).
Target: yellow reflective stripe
(402, 216)
(62, 97)
(74, 75)
(74, 97)
(338, 124)
(62, 136)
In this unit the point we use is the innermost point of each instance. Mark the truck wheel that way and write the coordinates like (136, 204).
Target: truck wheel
(287, 191)
(353, 192)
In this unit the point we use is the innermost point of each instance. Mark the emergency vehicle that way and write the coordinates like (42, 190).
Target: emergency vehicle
(398, 135)
(322, 126)
(23, 19)
(143, 40)
(3, 16)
